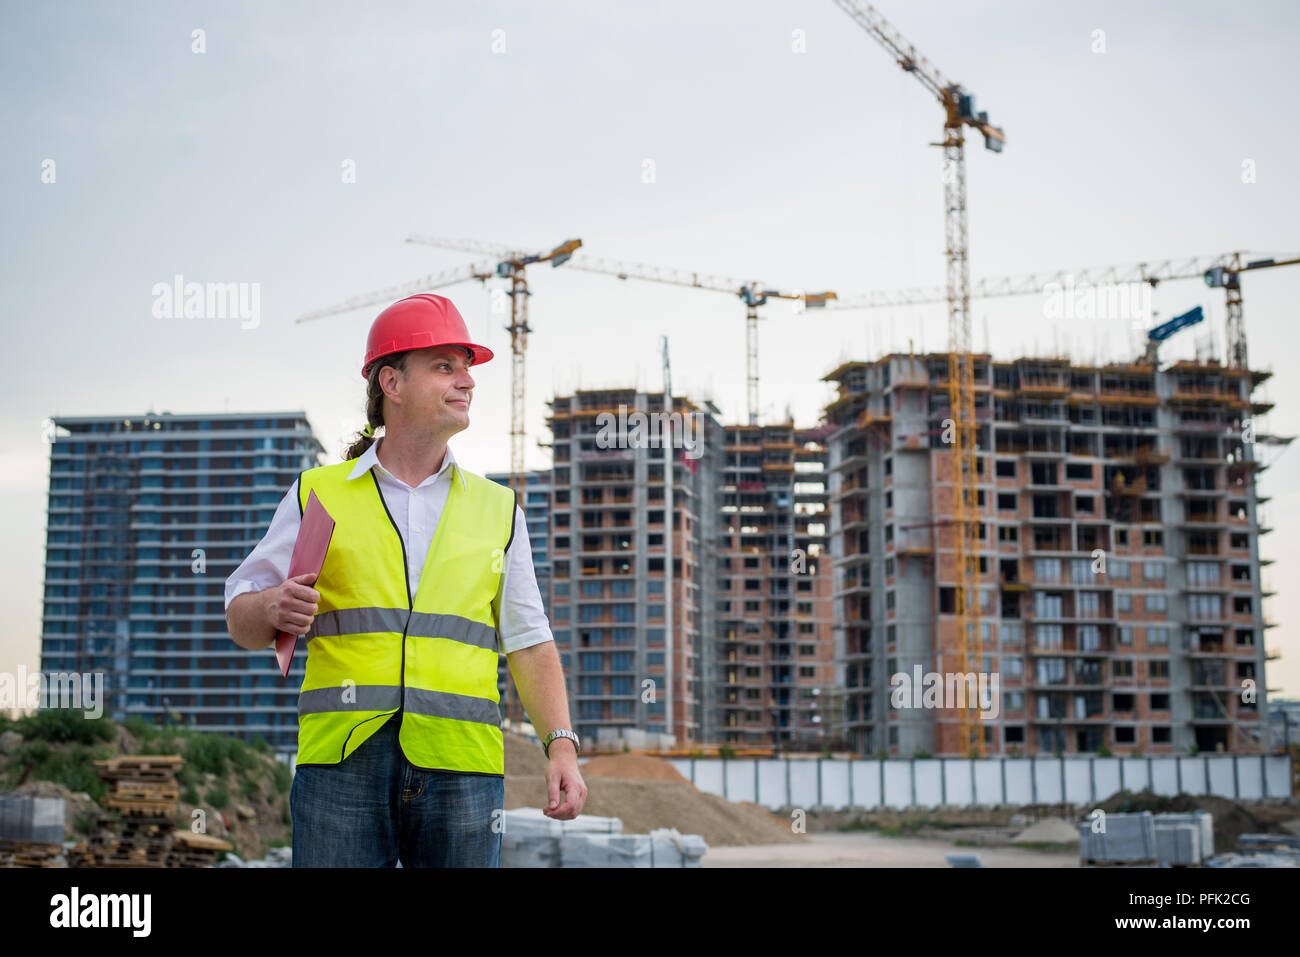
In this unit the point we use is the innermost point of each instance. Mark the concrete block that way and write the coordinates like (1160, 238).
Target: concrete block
(1203, 820)
(1178, 844)
(531, 820)
(1127, 837)
(24, 817)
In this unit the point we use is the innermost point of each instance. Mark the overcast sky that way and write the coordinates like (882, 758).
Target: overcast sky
(527, 124)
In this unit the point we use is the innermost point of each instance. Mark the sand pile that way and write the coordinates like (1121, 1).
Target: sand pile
(632, 767)
(645, 792)
(1052, 830)
(523, 755)
(645, 805)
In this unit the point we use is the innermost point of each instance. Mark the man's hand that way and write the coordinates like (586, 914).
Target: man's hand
(290, 607)
(562, 775)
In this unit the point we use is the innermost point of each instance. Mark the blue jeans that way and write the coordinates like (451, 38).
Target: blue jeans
(375, 809)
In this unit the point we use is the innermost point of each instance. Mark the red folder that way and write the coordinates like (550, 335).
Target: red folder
(308, 556)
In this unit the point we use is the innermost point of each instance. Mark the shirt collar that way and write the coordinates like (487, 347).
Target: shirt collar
(370, 457)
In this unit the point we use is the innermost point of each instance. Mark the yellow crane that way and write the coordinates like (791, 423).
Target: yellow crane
(1219, 271)
(510, 265)
(752, 293)
(959, 113)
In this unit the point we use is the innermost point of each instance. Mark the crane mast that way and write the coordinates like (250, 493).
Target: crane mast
(961, 431)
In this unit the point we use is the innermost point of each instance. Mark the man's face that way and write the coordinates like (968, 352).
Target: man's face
(437, 389)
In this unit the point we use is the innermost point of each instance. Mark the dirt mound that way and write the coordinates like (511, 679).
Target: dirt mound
(523, 755)
(644, 805)
(1230, 818)
(632, 767)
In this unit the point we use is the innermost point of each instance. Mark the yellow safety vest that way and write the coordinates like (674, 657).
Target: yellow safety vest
(374, 651)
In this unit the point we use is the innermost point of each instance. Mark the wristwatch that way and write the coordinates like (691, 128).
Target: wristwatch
(560, 733)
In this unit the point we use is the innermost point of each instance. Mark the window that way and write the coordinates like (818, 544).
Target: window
(1157, 636)
(1153, 571)
(1158, 669)
(1047, 569)
(1049, 636)
(1015, 667)
(1090, 638)
(1089, 604)
(1202, 574)
(1047, 605)
(1007, 533)
(1123, 602)
(1204, 607)
(1006, 468)
(1121, 668)
(1051, 671)
(1007, 501)
(1078, 471)
(1159, 603)
(1085, 504)
(1153, 538)
(1125, 635)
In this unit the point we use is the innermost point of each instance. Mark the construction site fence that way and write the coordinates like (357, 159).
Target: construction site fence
(962, 782)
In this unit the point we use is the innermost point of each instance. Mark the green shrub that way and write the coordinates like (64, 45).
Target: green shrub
(219, 796)
(72, 767)
(190, 795)
(726, 753)
(84, 823)
(281, 777)
(248, 788)
(63, 725)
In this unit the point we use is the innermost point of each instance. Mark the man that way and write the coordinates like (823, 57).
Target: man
(400, 750)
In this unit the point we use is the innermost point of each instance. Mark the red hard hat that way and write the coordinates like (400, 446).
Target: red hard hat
(418, 322)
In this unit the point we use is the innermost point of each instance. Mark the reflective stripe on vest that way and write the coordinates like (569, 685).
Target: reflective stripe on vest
(374, 650)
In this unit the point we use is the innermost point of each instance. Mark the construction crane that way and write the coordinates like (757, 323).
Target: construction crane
(510, 264)
(753, 294)
(1221, 271)
(959, 113)
(1166, 329)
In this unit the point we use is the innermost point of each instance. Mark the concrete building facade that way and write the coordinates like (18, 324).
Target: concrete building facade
(631, 669)
(148, 516)
(1120, 593)
(775, 648)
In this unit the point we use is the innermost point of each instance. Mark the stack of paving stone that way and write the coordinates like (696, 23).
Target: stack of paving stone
(31, 830)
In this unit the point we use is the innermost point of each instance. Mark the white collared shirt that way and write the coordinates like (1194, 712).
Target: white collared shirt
(415, 511)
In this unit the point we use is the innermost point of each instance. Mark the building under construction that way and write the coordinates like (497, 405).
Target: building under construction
(1119, 596)
(744, 656)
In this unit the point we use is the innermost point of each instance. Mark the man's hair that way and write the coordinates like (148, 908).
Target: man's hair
(374, 402)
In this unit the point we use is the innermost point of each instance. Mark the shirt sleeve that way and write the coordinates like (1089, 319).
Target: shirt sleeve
(267, 565)
(520, 612)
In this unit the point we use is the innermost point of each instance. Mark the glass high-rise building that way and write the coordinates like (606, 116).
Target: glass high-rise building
(148, 516)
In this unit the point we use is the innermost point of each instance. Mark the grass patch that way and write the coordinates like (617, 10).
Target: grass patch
(218, 796)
